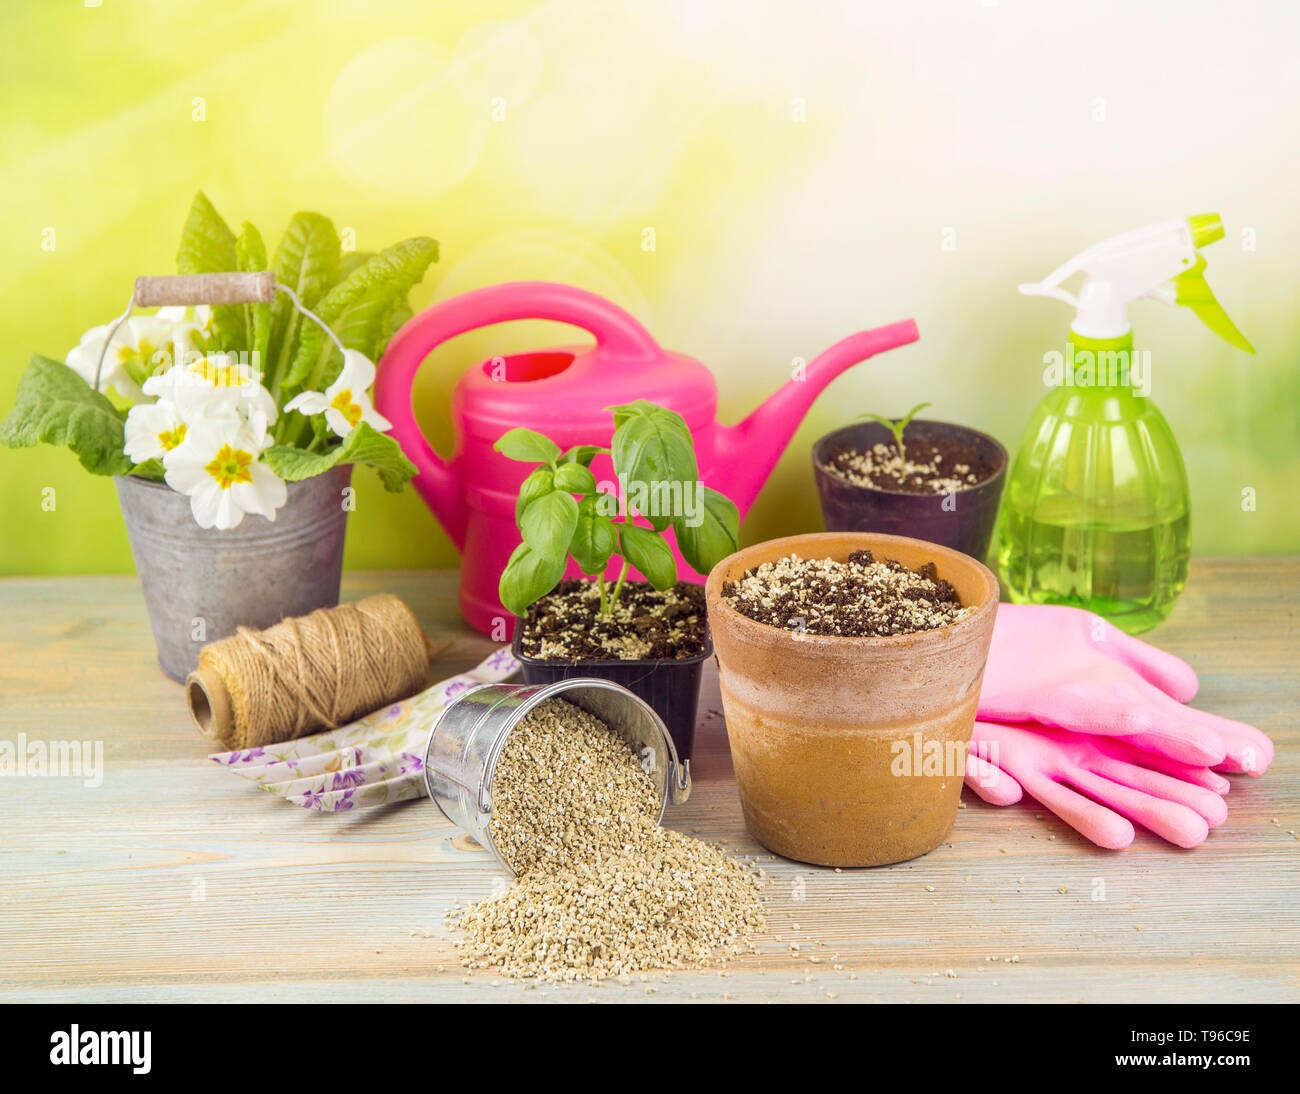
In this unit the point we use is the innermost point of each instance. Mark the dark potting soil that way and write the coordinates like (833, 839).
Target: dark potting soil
(932, 467)
(646, 624)
(856, 598)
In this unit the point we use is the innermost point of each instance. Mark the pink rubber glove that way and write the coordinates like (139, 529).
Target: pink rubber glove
(1176, 801)
(1070, 668)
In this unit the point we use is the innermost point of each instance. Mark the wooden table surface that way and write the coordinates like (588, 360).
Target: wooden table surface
(176, 880)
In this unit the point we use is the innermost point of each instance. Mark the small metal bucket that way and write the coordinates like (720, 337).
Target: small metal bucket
(466, 741)
(201, 583)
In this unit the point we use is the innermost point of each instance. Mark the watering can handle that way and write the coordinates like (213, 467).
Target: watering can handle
(620, 338)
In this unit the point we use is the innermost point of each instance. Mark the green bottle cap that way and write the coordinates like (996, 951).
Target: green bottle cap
(1206, 228)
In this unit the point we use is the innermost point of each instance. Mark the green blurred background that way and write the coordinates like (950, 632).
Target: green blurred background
(803, 171)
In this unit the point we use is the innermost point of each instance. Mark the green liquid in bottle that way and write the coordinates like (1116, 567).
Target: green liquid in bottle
(1129, 573)
(1096, 508)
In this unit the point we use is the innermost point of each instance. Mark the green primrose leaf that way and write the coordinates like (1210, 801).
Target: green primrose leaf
(527, 576)
(527, 447)
(374, 301)
(547, 524)
(307, 261)
(715, 537)
(209, 246)
(647, 552)
(54, 405)
(351, 260)
(357, 310)
(250, 254)
(364, 444)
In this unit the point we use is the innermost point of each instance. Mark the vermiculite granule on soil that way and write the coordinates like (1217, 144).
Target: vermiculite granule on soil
(861, 597)
(602, 889)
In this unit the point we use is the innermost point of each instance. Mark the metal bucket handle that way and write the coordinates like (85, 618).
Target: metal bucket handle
(209, 288)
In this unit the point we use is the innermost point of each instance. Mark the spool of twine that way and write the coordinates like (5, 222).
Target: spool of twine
(302, 675)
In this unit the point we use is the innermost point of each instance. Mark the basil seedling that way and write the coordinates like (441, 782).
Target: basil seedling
(562, 513)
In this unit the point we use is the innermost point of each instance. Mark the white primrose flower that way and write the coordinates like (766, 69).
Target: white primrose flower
(346, 402)
(216, 466)
(214, 385)
(142, 345)
(191, 323)
(153, 430)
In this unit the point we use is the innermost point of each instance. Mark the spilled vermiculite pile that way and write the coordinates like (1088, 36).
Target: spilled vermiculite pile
(602, 889)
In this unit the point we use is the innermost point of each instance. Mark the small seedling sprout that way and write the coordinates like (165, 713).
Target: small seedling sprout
(897, 425)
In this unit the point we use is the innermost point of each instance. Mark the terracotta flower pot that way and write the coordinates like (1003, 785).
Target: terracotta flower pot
(834, 739)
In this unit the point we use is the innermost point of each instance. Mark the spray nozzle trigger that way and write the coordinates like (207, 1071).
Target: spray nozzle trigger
(1160, 262)
(1191, 290)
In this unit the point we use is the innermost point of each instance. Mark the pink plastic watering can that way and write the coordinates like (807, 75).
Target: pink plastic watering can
(564, 392)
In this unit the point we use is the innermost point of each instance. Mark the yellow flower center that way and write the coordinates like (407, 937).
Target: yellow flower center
(219, 375)
(170, 438)
(142, 360)
(229, 466)
(343, 403)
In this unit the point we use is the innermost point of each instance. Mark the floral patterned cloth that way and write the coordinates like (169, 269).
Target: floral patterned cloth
(372, 761)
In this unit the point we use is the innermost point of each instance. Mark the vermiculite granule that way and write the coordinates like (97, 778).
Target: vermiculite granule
(602, 889)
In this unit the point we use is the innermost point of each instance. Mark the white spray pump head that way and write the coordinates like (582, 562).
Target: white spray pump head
(1160, 262)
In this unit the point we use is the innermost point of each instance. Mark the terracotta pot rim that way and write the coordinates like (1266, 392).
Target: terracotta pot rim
(872, 541)
(827, 438)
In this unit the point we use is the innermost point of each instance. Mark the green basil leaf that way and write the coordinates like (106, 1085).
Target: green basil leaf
(647, 552)
(594, 538)
(527, 577)
(209, 246)
(538, 483)
(54, 405)
(364, 444)
(583, 454)
(547, 524)
(527, 447)
(652, 445)
(715, 537)
(575, 479)
(606, 504)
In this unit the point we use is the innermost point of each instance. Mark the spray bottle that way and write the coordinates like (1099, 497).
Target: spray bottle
(1097, 508)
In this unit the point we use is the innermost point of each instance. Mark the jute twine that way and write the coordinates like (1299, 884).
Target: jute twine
(302, 675)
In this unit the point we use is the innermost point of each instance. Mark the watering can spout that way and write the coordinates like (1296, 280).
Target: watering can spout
(749, 450)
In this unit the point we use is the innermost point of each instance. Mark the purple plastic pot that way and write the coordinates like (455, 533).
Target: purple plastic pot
(671, 686)
(963, 520)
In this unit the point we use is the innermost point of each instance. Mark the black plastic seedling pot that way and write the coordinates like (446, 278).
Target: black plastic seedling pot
(670, 685)
(963, 520)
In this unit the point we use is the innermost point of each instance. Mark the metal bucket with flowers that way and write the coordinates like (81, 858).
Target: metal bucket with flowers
(231, 419)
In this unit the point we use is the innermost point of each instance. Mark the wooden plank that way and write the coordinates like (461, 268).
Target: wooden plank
(174, 880)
